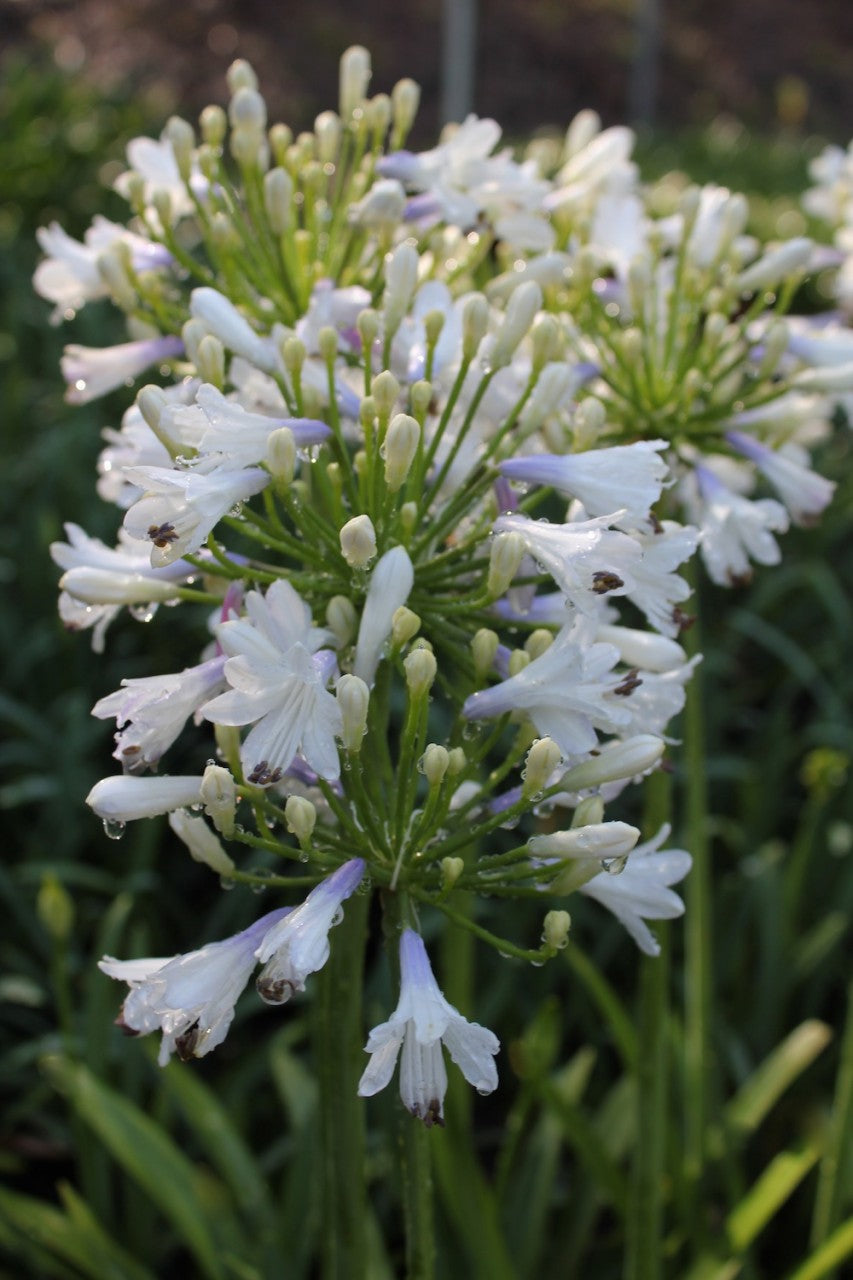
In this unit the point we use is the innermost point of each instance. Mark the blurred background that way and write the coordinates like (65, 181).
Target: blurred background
(739, 93)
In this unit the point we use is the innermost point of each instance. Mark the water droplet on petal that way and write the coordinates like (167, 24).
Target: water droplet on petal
(114, 828)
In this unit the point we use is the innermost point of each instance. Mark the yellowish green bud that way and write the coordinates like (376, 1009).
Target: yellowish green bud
(281, 139)
(434, 763)
(112, 269)
(281, 455)
(542, 759)
(327, 129)
(405, 625)
(555, 930)
(342, 619)
(355, 72)
(451, 870)
(405, 100)
(181, 136)
(518, 660)
(219, 797)
(367, 323)
(538, 642)
(377, 112)
(240, 75)
(213, 123)
(484, 646)
(507, 553)
(590, 810)
(475, 321)
(408, 517)
(300, 816)
(616, 761)
(456, 761)
(278, 198)
(421, 397)
(327, 343)
(210, 361)
(401, 445)
(162, 203)
(545, 339)
(420, 667)
(293, 353)
(384, 389)
(521, 311)
(203, 845)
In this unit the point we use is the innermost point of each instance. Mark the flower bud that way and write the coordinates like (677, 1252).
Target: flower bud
(113, 271)
(434, 763)
(358, 541)
(213, 123)
(456, 761)
(55, 908)
(401, 277)
(341, 619)
(210, 361)
(542, 759)
(107, 586)
(162, 203)
(278, 196)
(408, 517)
(401, 445)
(293, 354)
(367, 324)
(300, 816)
(405, 100)
(451, 870)
(518, 660)
(377, 113)
(355, 75)
(506, 555)
(420, 667)
(327, 344)
(327, 129)
(241, 75)
(353, 698)
(475, 321)
(595, 840)
(775, 265)
(544, 338)
(381, 208)
(421, 397)
(484, 646)
(433, 325)
(281, 139)
(405, 625)
(589, 810)
(219, 797)
(537, 643)
(181, 136)
(201, 842)
(521, 309)
(124, 798)
(555, 930)
(384, 390)
(281, 455)
(247, 110)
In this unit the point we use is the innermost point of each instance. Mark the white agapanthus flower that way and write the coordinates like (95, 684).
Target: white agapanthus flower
(629, 476)
(179, 508)
(734, 530)
(298, 944)
(191, 997)
(803, 491)
(421, 1024)
(567, 692)
(93, 371)
(279, 685)
(640, 891)
(238, 437)
(69, 275)
(151, 711)
(125, 798)
(154, 163)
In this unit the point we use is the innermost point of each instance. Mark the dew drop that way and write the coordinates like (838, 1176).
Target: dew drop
(114, 828)
(225, 882)
(615, 866)
(142, 612)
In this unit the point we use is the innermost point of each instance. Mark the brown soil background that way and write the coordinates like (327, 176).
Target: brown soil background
(765, 62)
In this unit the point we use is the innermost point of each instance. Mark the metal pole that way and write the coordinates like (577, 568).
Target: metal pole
(458, 54)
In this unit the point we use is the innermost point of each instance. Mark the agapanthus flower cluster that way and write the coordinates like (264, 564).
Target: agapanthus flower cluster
(433, 438)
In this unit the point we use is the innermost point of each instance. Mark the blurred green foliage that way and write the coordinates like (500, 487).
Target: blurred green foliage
(116, 1169)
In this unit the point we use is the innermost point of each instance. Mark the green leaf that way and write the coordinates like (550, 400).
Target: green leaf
(73, 1237)
(835, 1250)
(148, 1155)
(769, 1081)
(781, 1177)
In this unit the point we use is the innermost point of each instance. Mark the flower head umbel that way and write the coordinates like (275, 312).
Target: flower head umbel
(421, 1024)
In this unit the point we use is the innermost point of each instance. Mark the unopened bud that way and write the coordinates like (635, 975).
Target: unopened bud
(327, 129)
(355, 75)
(518, 660)
(434, 763)
(341, 619)
(542, 759)
(247, 110)
(358, 541)
(281, 455)
(384, 389)
(405, 100)
(408, 517)
(401, 277)
(203, 845)
(213, 123)
(421, 397)
(544, 339)
(219, 797)
(293, 354)
(405, 625)
(300, 817)
(484, 646)
(367, 323)
(327, 343)
(241, 75)
(401, 445)
(521, 309)
(55, 908)
(353, 698)
(538, 642)
(590, 810)
(113, 271)
(507, 553)
(590, 416)
(278, 197)
(595, 840)
(420, 667)
(377, 113)
(162, 203)
(210, 361)
(456, 761)
(451, 870)
(775, 265)
(281, 139)
(475, 321)
(555, 929)
(181, 136)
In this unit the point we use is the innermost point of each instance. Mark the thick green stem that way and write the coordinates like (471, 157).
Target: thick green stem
(645, 1205)
(698, 925)
(338, 1044)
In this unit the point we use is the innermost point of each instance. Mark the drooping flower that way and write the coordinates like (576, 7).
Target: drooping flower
(69, 275)
(93, 371)
(191, 997)
(627, 475)
(278, 684)
(298, 944)
(422, 1022)
(803, 491)
(640, 891)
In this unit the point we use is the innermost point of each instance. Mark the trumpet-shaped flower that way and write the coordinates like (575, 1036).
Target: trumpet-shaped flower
(191, 997)
(422, 1022)
(566, 692)
(628, 475)
(69, 275)
(93, 371)
(640, 891)
(278, 684)
(298, 944)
